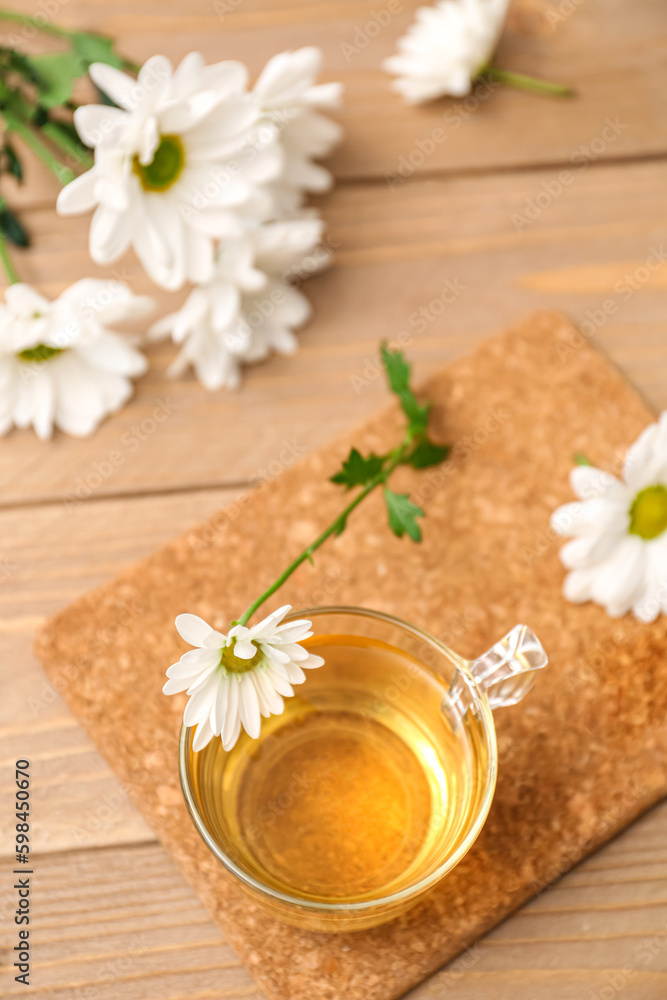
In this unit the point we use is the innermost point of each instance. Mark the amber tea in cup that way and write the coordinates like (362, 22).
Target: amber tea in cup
(370, 786)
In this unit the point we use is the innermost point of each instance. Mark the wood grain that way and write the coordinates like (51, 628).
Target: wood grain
(98, 936)
(452, 219)
(598, 46)
(52, 554)
(429, 239)
(577, 764)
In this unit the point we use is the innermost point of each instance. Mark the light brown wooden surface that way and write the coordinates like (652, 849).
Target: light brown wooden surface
(114, 918)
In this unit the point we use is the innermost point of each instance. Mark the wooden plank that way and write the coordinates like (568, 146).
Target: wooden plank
(53, 554)
(599, 46)
(396, 252)
(94, 929)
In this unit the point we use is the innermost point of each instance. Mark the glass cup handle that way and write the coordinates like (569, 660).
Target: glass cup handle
(506, 672)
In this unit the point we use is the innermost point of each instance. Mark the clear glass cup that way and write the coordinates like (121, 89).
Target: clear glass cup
(373, 784)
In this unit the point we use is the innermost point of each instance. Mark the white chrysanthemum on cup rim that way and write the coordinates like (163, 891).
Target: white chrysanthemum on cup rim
(172, 164)
(233, 680)
(60, 364)
(618, 553)
(250, 307)
(446, 48)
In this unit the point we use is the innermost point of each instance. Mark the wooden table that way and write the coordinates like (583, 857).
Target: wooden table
(113, 916)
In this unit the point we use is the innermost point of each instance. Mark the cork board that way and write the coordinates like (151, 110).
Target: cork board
(579, 759)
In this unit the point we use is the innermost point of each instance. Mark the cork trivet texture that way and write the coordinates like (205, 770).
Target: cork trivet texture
(583, 755)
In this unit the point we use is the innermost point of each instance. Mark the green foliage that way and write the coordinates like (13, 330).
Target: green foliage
(398, 376)
(89, 48)
(12, 228)
(427, 453)
(11, 163)
(397, 368)
(580, 459)
(403, 514)
(357, 470)
(57, 73)
(31, 88)
(416, 450)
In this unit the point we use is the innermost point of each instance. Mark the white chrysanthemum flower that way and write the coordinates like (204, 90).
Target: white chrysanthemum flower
(288, 97)
(446, 48)
(618, 555)
(249, 308)
(233, 680)
(173, 164)
(60, 364)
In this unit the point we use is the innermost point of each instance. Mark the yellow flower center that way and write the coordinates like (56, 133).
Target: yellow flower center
(648, 513)
(42, 352)
(235, 664)
(165, 167)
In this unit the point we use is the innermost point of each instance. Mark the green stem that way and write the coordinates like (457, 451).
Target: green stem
(63, 173)
(5, 259)
(40, 23)
(60, 138)
(522, 82)
(395, 458)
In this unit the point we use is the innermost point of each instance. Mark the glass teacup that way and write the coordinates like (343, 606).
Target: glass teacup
(375, 781)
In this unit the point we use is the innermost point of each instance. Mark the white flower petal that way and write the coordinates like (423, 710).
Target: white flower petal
(589, 549)
(244, 649)
(79, 195)
(295, 674)
(249, 706)
(312, 662)
(232, 735)
(445, 48)
(619, 578)
(273, 653)
(268, 624)
(203, 736)
(95, 121)
(232, 721)
(578, 585)
(590, 483)
(192, 663)
(219, 707)
(175, 685)
(278, 679)
(199, 706)
(193, 629)
(270, 699)
(115, 84)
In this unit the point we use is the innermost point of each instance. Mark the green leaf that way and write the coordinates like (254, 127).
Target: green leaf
(23, 65)
(58, 72)
(12, 163)
(357, 470)
(398, 369)
(427, 453)
(90, 48)
(340, 525)
(417, 415)
(12, 228)
(398, 375)
(580, 459)
(403, 514)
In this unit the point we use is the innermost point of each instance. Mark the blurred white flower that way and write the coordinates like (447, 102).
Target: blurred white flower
(250, 307)
(233, 680)
(59, 363)
(288, 97)
(618, 555)
(173, 164)
(446, 48)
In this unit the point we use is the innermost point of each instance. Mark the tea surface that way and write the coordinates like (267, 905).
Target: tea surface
(358, 789)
